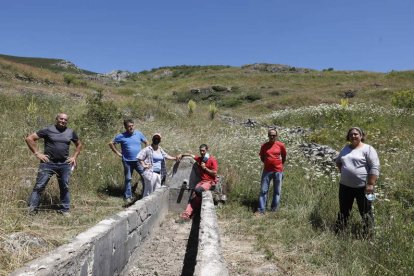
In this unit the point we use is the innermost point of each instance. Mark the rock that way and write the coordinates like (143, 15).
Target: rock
(219, 88)
(118, 75)
(349, 94)
(67, 65)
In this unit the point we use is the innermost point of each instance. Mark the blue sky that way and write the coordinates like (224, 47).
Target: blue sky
(373, 35)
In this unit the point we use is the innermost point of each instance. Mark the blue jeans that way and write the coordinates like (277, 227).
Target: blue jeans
(264, 189)
(129, 167)
(45, 172)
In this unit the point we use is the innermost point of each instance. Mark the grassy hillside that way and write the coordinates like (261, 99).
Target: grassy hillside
(298, 237)
(46, 63)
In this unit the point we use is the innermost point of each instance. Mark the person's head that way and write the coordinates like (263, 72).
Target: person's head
(61, 120)
(129, 125)
(355, 135)
(272, 134)
(156, 138)
(203, 149)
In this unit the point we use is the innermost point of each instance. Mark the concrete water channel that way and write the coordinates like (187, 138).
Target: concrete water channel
(145, 239)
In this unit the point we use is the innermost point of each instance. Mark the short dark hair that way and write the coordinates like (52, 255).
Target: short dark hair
(204, 146)
(272, 129)
(128, 121)
(361, 132)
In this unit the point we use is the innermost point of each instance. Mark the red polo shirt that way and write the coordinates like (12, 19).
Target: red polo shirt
(211, 164)
(271, 154)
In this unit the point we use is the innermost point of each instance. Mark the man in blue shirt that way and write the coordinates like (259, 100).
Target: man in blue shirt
(130, 142)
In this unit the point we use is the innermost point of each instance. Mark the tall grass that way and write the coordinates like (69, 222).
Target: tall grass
(298, 237)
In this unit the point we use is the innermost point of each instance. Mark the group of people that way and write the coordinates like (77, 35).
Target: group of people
(357, 162)
(149, 162)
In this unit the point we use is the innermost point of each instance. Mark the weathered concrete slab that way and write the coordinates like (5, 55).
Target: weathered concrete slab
(210, 261)
(105, 248)
(182, 179)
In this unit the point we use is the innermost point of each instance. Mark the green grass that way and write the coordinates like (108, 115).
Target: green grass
(299, 236)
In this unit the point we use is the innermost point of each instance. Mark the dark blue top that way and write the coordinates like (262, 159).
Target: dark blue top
(57, 142)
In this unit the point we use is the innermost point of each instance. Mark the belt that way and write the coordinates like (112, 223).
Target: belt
(157, 172)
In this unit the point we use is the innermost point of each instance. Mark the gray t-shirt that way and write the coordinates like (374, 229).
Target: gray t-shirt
(57, 142)
(357, 164)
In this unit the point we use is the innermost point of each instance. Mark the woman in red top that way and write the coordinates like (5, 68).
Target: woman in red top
(273, 156)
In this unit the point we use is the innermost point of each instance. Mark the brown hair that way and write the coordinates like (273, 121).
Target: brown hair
(361, 132)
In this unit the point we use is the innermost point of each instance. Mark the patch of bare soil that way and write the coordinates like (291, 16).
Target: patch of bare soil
(241, 256)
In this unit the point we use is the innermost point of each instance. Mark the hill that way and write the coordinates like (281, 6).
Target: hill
(55, 65)
(308, 107)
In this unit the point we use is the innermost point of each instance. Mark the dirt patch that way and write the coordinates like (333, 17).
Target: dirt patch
(241, 256)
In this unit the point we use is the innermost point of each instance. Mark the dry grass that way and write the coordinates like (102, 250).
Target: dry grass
(287, 238)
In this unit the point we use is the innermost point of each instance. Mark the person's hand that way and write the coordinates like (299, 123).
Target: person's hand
(147, 166)
(119, 154)
(178, 157)
(71, 161)
(203, 166)
(369, 188)
(42, 157)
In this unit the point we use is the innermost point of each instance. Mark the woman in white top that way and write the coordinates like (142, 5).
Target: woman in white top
(359, 166)
(152, 158)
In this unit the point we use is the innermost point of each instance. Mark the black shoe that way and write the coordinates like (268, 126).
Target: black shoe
(32, 211)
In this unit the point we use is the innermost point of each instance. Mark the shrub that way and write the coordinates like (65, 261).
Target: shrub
(68, 78)
(253, 97)
(404, 99)
(212, 109)
(191, 107)
(231, 102)
(99, 114)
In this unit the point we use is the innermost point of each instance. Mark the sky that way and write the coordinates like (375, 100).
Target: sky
(135, 35)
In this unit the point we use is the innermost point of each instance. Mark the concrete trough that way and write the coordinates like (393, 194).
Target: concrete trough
(106, 248)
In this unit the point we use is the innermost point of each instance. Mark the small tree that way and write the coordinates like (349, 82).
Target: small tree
(101, 114)
(192, 105)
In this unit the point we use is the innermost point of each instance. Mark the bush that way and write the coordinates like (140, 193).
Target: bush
(404, 99)
(68, 78)
(253, 97)
(231, 102)
(212, 109)
(191, 107)
(100, 115)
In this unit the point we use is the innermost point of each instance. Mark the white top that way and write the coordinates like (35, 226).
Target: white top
(357, 164)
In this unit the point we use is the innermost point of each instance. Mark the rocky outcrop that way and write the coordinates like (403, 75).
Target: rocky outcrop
(117, 75)
(321, 154)
(67, 65)
(275, 68)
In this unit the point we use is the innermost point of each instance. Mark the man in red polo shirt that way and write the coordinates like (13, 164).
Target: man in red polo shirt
(208, 167)
(273, 156)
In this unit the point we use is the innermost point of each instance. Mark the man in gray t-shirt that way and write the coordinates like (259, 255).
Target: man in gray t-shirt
(54, 160)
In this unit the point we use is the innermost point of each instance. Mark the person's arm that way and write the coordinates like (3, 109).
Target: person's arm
(283, 154)
(31, 143)
(372, 179)
(142, 155)
(373, 173)
(212, 171)
(180, 156)
(112, 146)
(167, 156)
(262, 154)
(72, 160)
